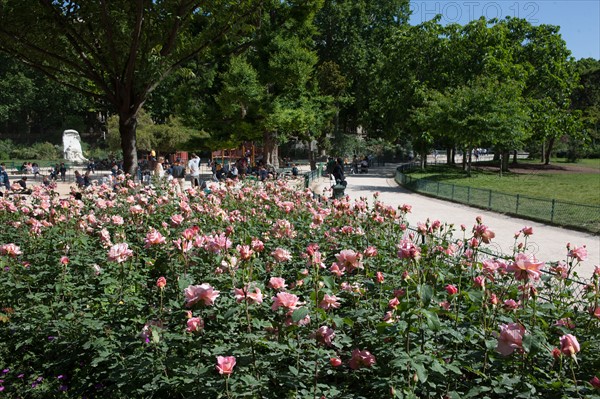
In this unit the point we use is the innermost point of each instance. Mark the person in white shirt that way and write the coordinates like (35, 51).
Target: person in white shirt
(194, 168)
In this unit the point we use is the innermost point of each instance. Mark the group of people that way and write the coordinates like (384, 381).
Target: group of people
(59, 169)
(20, 186)
(30, 168)
(162, 169)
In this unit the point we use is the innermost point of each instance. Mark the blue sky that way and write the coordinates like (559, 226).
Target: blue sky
(579, 20)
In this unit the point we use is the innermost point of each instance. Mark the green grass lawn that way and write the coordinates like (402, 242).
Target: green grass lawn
(581, 188)
(588, 163)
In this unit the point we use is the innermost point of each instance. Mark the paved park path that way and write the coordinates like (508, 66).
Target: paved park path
(548, 243)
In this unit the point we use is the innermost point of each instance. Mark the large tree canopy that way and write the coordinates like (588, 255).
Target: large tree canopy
(118, 51)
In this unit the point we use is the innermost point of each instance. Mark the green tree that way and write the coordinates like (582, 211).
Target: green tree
(483, 113)
(550, 80)
(268, 94)
(586, 99)
(120, 51)
(31, 106)
(350, 36)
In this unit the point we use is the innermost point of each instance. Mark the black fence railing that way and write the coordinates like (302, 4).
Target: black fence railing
(579, 216)
(309, 177)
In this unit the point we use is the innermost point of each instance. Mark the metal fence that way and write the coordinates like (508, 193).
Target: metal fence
(313, 175)
(586, 217)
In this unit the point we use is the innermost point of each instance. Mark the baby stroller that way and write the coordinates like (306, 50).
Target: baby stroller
(364, 166)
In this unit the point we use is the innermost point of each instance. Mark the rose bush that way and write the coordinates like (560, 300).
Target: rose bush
(135, 291)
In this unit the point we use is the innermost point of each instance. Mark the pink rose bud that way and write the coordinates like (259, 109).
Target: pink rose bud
(556, 353)
(335, 361)
(569, 345)
(451, 289)
(161, 282)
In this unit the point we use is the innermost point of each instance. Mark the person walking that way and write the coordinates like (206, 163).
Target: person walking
(178, 174)
(194, 168)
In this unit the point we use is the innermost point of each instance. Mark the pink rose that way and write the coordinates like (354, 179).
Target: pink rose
(335, 361)
(379, 277)
(277, 283)
(119, 253)
(335, 269)
(370, 252)
(484, 233)
(281, 255)
(349, 260)
(525, 268)
(324, 335)
(246, 294)
(479, 282)
(176, 220)
(511, 304)
(569, 345)
(579, 253)
(257, 245)
(408, 250)
(329, 302)
(245, 252)
(286, 300)
(510, 338)
(225, 364)
(203, 292)
(361, 358)
(11, 250)
(153, 238)
(64, 260)
(194, 324)
(595, 381)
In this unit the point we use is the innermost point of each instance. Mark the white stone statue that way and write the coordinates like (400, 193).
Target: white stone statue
(72, 147)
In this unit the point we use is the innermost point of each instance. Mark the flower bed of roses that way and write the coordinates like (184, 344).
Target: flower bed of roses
(261, 291)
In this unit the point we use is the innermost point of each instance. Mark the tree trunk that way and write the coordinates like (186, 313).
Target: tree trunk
(271, 150)
(312, 156)
(127, 129)
(469, 161)
(515, 157)
(464, 159)
(505, 158)
(543, 151)
(549, 151)
(448, 156)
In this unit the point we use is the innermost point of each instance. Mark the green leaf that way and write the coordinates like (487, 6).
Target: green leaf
(329, 282)
(155, 336)
(426, 292)
(299, 314)
(433, 322)
(420, 370)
